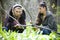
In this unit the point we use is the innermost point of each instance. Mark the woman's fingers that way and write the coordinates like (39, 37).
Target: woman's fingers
(30, 21)
(17, 25)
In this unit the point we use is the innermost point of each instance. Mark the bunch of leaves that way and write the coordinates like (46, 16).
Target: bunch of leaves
(29, 33)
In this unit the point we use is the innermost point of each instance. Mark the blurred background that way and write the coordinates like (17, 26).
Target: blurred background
(31, 7)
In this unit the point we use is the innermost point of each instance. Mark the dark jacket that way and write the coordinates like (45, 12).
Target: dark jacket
(9, 22)
(48, 22)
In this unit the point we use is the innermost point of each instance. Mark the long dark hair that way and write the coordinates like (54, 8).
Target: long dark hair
(39, 20)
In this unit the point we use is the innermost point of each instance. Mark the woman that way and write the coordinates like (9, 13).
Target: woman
(47, 19)
(18, 13)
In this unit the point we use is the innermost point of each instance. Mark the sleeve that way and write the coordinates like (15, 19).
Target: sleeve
(52, 23)
(6, 22)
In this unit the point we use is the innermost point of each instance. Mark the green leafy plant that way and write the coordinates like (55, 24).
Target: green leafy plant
(28, 34)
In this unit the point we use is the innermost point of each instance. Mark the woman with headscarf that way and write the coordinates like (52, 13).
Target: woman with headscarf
(18, 13)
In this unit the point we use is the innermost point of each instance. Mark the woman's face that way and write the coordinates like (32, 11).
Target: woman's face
(41, 9)
(17, 11)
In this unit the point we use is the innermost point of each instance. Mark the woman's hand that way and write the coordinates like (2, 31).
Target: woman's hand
(30, 21)
(17, 25)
